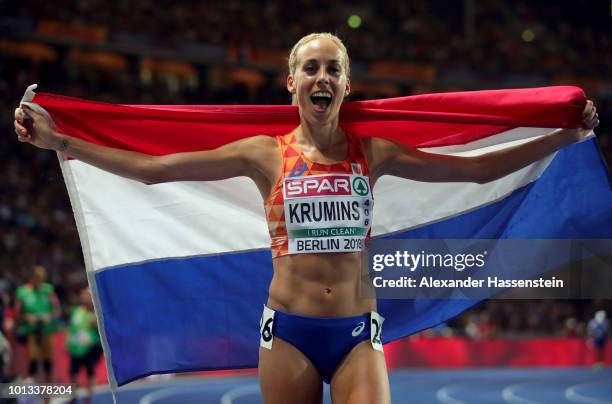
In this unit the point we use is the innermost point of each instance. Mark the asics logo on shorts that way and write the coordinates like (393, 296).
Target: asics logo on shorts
(357, 330)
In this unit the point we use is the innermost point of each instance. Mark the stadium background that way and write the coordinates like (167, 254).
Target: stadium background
(235, 52)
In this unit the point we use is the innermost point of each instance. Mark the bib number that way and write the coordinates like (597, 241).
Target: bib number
(265, 328)
(376, 321)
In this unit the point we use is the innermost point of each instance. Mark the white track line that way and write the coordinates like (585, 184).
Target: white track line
(510, 396)
(231, 395)
(444, 394)
(572, 395)
(175, 390)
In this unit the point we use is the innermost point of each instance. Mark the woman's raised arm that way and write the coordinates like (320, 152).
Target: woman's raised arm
(389, 158)
(245, 157)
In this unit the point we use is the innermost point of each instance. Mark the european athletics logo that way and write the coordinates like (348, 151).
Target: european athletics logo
(298, 169)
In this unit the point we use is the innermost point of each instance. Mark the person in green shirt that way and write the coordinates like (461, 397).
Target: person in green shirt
(83, 340)
(36, 308)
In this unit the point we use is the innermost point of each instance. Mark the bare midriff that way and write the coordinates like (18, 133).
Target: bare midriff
(320, 285)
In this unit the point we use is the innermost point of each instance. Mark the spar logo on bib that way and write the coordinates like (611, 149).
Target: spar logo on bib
(324, 185)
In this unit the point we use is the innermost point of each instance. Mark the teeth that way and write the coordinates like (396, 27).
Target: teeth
(322, 94)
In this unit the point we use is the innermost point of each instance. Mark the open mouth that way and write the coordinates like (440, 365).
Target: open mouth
(321, 100)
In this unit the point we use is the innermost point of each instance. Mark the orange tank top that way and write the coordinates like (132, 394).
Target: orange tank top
(319, 208)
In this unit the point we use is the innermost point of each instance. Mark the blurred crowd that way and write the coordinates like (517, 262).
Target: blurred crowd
(569, 37)
(448, 45)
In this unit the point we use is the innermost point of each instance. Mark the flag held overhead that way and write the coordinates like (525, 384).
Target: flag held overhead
(180, 271)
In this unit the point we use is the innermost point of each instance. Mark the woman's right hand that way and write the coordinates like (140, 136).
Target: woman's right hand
(41, 134)
(253, 157)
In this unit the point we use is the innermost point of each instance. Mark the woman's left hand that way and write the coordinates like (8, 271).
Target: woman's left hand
(590, 119)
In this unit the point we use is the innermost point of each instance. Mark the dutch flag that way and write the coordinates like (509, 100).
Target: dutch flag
(180, 271)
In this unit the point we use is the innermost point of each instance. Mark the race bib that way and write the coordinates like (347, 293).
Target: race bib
(327, 212)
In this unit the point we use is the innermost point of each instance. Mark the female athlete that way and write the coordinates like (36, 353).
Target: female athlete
(315, 180)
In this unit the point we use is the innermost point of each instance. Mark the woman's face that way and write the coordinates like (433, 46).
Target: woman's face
(319, 82)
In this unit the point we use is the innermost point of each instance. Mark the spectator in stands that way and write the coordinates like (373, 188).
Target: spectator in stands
(570, 327)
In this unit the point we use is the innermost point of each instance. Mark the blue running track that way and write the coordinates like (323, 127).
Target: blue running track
(462, 386)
